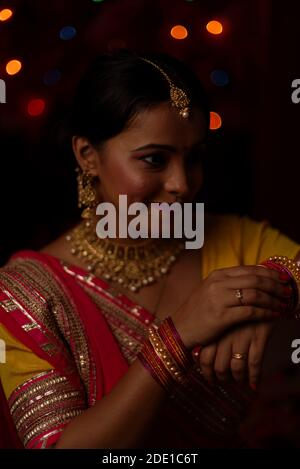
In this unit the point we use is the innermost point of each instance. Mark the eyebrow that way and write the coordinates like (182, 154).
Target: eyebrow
(155, 146)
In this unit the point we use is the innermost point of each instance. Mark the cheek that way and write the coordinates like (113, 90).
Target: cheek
(125, 179)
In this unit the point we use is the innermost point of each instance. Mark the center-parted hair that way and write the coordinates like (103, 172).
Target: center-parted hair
(119, 85)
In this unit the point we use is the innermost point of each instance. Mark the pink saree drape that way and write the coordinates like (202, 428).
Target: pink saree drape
(90, 334)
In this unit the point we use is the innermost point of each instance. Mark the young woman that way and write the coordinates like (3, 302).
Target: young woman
(102, 336)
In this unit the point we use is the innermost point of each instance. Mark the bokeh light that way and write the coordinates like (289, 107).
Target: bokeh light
(215, 121)
(52, 77)
(219, 77)
(67, 33)
(214, 27)
(13, 67)
(5, 14)
(179, 32)
(36, 107)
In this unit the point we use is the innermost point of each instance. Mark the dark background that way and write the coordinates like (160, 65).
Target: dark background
(254, 165)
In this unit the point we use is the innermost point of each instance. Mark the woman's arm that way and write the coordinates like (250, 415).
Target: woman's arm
(121, 419)
(124, 417)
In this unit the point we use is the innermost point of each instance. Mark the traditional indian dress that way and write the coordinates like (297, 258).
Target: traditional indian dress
(70, 337)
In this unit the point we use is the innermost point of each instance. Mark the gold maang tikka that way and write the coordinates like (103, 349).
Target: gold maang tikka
(179, 98)
(87, 197)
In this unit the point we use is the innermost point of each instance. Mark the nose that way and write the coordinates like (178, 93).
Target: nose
(176, 182)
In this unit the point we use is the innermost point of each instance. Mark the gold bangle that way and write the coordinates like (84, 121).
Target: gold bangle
(289, 263)
(166, 358)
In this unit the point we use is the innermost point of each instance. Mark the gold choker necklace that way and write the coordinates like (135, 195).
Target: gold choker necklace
(132, 267)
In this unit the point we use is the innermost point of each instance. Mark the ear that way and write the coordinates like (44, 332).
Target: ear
(86, 154)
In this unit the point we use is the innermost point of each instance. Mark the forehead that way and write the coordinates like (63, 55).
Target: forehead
(162, 124)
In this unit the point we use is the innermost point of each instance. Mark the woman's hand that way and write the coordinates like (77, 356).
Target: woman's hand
(217, 362)
(213, 307)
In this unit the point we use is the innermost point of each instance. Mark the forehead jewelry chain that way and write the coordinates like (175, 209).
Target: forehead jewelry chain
(179, 98)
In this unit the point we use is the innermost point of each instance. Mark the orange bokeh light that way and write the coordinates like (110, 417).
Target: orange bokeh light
(13, 67)
(214, 27)
(215, 121)
(36, 107)
(5, 14)
(179, 32)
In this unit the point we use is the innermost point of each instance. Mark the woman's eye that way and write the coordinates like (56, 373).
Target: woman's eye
(156, 159)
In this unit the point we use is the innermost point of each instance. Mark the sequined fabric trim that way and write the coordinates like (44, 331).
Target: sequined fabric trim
(42, 406)
(47, 306)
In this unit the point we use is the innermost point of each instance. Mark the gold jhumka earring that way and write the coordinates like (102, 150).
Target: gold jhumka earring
(86, 193)
(179, 98)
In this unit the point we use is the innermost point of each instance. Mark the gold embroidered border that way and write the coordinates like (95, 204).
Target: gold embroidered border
(58, 313)
(42, 402)
(44, 439)
(124, 320)
(128, 331)
(62, 419)
(16, 400)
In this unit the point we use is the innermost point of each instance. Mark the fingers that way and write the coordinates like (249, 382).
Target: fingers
(256, 298)
(223, 359)
(260, 283)
(251, 270)
(207, 361)
(242, 314)
(254, 365)
(240, 348)
(256, 353)
(216, 360)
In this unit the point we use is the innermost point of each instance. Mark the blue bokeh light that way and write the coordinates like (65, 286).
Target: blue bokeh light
(219, 77)
(67, 33)
(52, 77)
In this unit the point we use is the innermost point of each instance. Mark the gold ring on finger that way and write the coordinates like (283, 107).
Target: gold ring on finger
(239, 295)
(240, 356)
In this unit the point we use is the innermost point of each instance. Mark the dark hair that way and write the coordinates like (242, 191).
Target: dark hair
(119, 85)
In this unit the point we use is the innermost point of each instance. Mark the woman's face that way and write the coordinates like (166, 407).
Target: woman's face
(157, 158)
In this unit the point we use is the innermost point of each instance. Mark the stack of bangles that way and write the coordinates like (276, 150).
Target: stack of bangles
(291, 268)
(165, 356)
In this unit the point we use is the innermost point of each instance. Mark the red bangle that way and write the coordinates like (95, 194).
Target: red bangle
(155, 366)
(173, 341)
(289, 267)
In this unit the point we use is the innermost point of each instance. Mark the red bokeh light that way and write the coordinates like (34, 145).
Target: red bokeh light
(36, 107)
